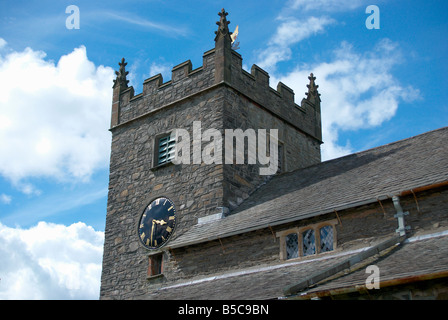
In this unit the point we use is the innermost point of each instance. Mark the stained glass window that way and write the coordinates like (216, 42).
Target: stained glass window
(326, 239)
(292, 246)
(308, 242)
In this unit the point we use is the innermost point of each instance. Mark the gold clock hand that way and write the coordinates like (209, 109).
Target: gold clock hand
(152, 230)
(161, 222)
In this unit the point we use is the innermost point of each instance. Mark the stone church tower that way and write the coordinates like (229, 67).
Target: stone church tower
(219, 95)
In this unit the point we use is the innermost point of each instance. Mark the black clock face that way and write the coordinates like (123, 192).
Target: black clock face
(157, 223)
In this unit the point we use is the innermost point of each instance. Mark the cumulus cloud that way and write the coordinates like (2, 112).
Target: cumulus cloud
(50, 261)
(53, 116)
(358, 91)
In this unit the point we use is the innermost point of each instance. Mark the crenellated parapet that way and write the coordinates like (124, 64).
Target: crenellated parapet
(280, 101)
(221, 66)
(185, 81)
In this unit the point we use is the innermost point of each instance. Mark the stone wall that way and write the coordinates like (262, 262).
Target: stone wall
(134, 183)
(299, 149)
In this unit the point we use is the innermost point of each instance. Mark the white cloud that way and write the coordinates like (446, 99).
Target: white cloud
(50, 261)
(358, 91)
(2, 43)
(292, 30)
(53, 117)
(4, 198)
(163, 68)
(288, 33)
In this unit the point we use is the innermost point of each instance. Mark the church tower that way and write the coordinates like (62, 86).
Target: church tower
(152, 200)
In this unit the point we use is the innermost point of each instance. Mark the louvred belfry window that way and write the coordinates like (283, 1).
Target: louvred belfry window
(166, 149)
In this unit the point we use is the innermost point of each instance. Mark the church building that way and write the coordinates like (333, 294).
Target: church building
(220, 225)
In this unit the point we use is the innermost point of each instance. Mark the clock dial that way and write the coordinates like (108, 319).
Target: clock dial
(157, 223)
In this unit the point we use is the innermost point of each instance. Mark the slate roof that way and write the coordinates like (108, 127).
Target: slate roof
(346, 182)
(428, 255)
(414, 260)
(254, 283)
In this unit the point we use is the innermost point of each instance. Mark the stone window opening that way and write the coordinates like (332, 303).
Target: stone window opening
(306, 241)
(292, 245)
(164, 150)
(326, 238)
(281, 158)
(155, 265)
(281, 164)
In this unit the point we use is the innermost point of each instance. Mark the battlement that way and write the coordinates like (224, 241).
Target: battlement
(281, 101)
(222, 66)
(157, 94)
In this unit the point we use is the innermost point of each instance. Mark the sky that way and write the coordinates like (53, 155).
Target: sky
(378, 85)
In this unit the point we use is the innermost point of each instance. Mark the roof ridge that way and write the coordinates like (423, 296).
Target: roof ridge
(357, 153)
(273, 179)
(395, 142)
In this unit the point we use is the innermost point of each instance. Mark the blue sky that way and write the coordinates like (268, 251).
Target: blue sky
(377, 86)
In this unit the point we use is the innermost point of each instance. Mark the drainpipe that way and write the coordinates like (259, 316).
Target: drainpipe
(400, 216)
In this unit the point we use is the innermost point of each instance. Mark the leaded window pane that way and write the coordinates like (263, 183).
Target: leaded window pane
(326, 239)
(309, 243)
(292, 246)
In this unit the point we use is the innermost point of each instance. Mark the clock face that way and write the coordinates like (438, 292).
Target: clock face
(157, 223)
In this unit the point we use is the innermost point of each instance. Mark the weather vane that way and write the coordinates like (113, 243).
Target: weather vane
(234, 37)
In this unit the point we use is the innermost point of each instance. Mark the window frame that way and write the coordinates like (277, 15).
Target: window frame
(281, 166)
(320, 238)
(317, 241)
(302, 235)
(155, 266)
(281, 153)
(156, 148)
(298, 245)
